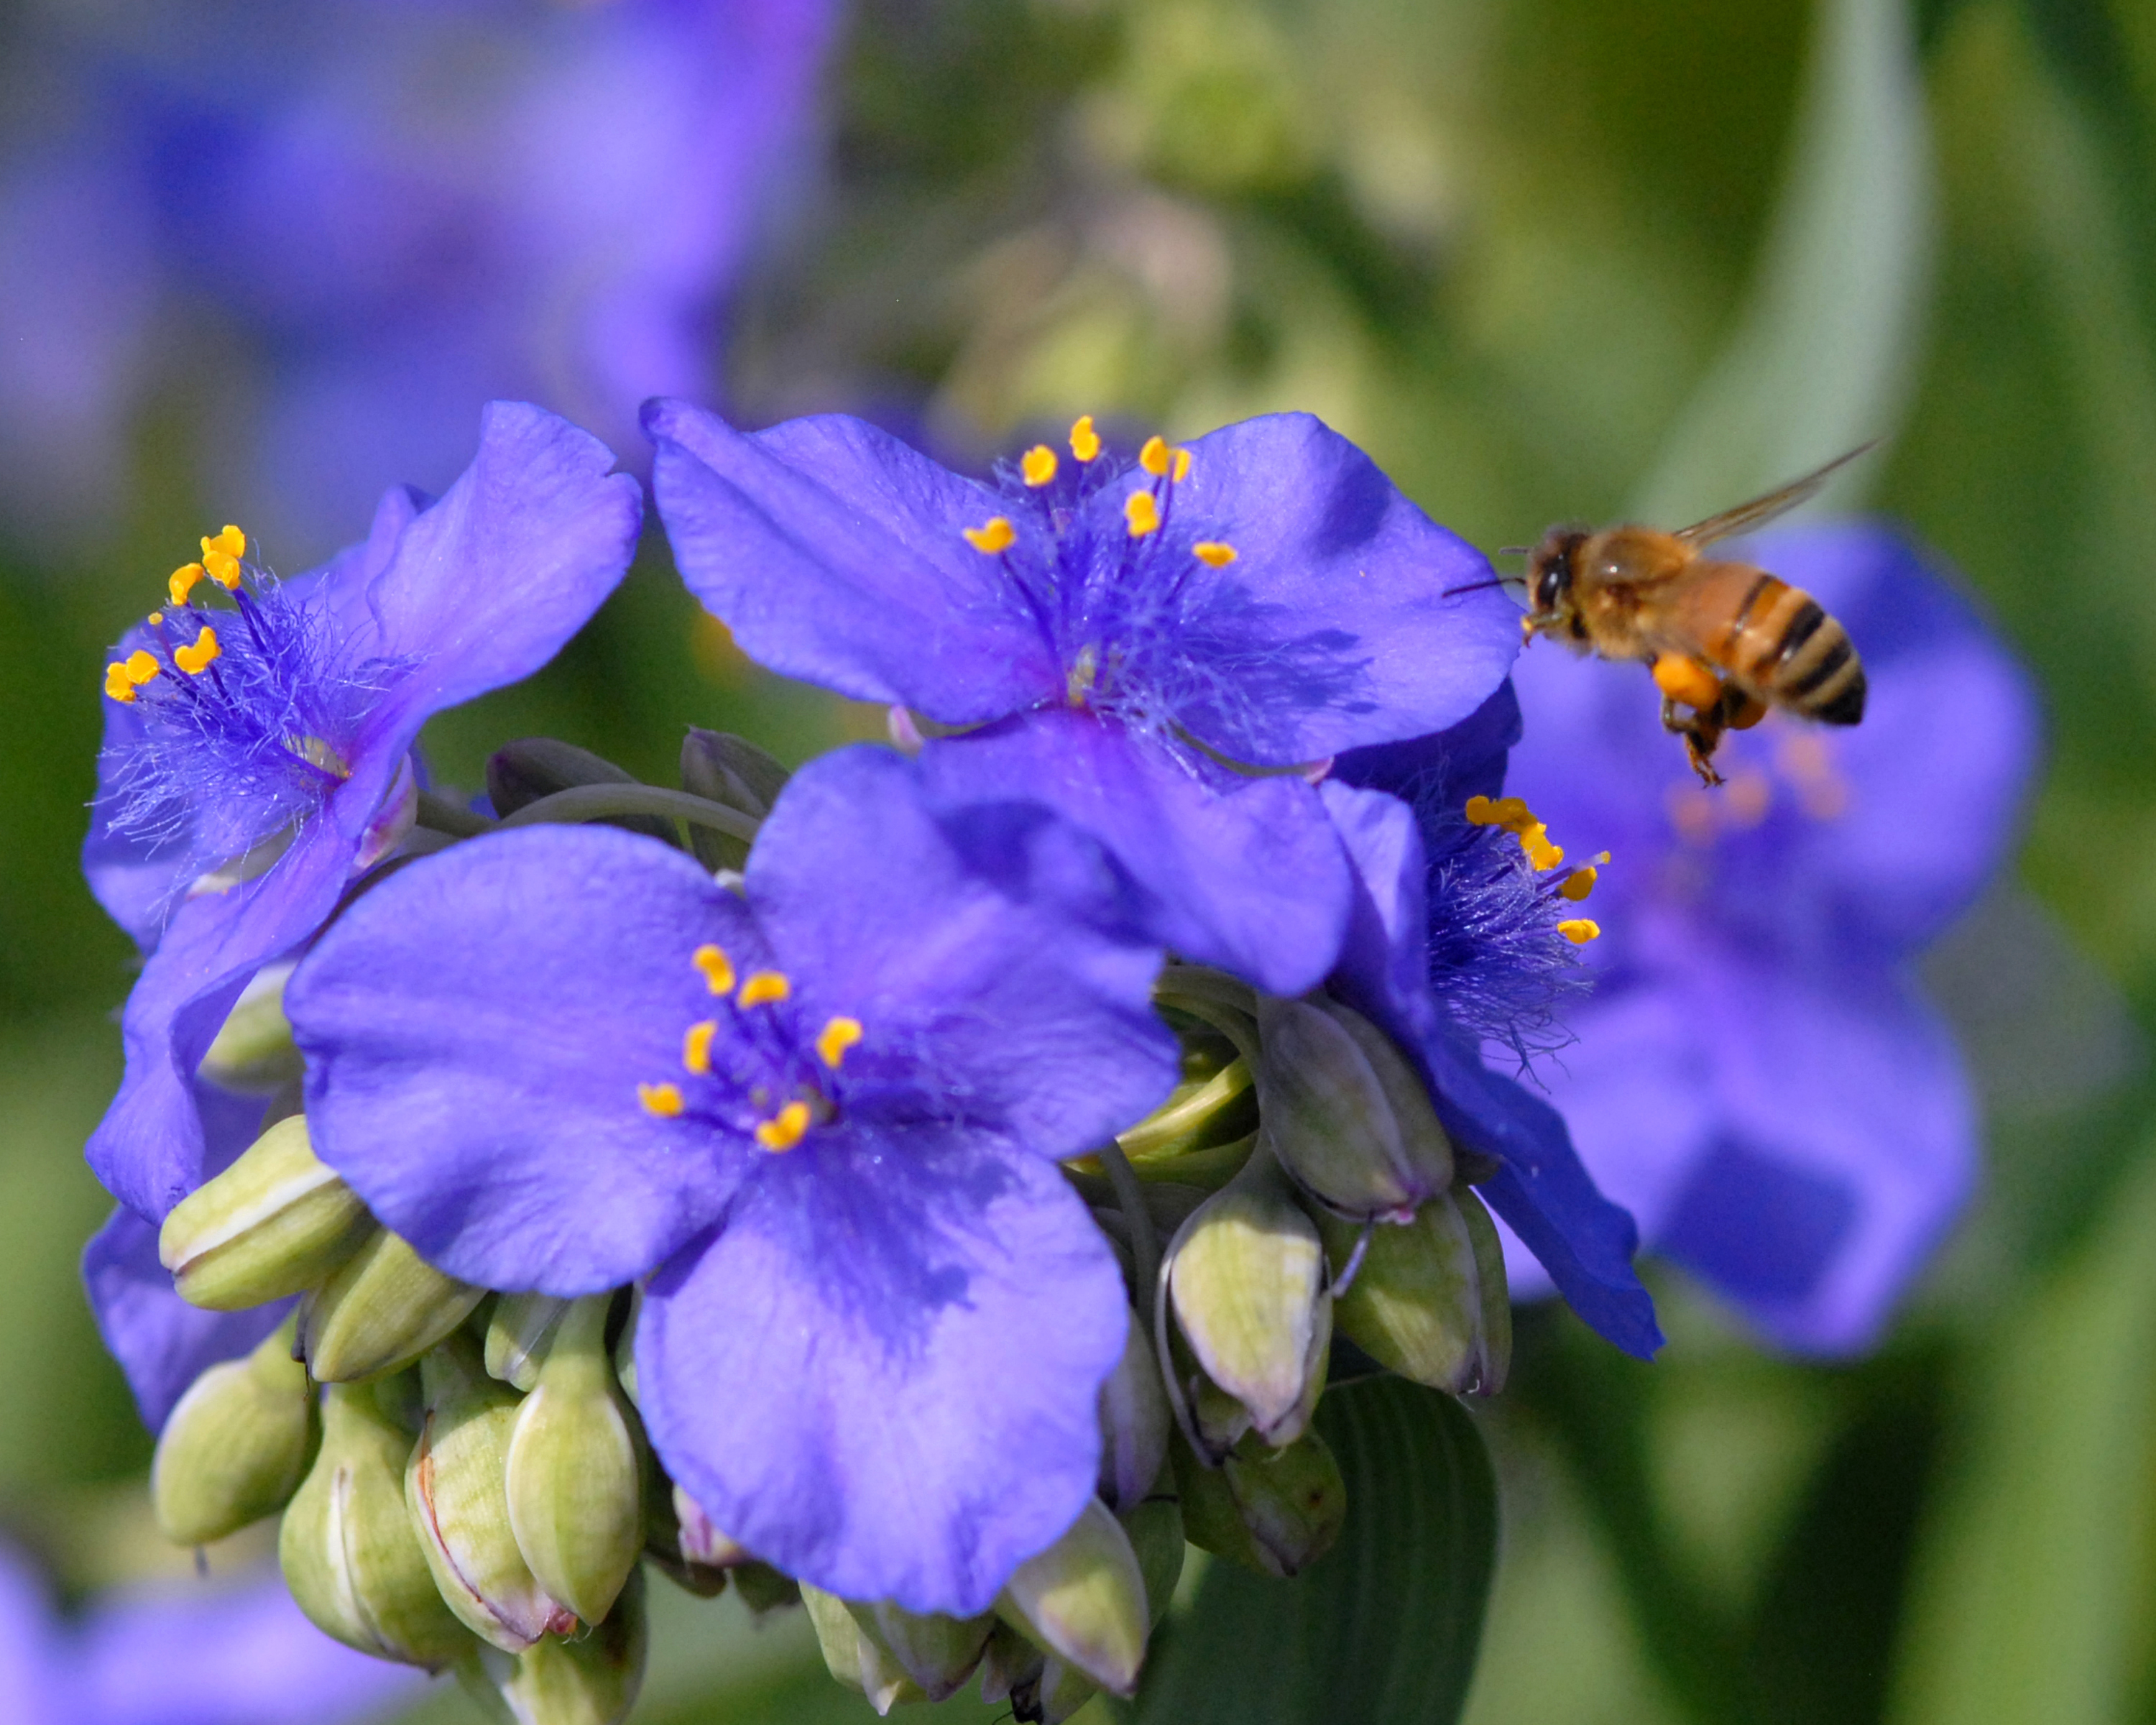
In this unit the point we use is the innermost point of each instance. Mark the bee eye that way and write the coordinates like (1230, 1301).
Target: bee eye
(1546, 587)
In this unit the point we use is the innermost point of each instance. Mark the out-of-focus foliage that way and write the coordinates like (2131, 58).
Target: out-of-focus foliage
(1545, 259)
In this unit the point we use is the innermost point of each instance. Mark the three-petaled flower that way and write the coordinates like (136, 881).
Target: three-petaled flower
(823, 1117)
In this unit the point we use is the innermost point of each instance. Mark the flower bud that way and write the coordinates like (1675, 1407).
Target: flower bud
(588, 1679)
(938, 1652)
(1155, 1528)
(253, 1051)
(1009, 1664)
(349, 1553)
(1134, 1422)
(523, 772)
(699, 1539)
(276, 1221)
(1274, 1511)
(1429, 1299)
(763, 1589)
(1084, 1600)
(575, 1468)
(1052, 1695)
(625, 1348)
(518, 1333)
(726, 769)
(854, 1656)
(1345, 1113)
(1246, 1277)
(382, 1311)
(236, 1447)
(456, 1488)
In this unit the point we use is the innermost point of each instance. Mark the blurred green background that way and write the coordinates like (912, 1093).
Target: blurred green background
(1545, 259)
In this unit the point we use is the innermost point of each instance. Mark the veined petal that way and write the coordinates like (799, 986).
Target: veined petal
(880, 1373)
(833, 552)
(475, 1030)
(1242, 873)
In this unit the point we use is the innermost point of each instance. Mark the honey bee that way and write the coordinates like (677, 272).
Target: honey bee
(1724, 639)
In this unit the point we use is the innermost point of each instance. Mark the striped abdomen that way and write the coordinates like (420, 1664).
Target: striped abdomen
(1792, 653)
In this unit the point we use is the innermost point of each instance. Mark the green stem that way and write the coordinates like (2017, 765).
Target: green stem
(598, 801)
(440, 815)
(1145, 1243)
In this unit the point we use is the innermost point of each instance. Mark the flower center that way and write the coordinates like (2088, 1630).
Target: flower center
(746, 1071)
(1512, 815)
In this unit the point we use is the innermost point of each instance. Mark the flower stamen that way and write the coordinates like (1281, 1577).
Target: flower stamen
(1037, 465)
(718, 969)
(837, 1034)
(661, 1101)
(995, 535)
(1215, 553)
(1579, 930)
(1142, 513)
(785, 1129)
(764, 988)
(696, 1047)
(1084, 441)
(199, 654)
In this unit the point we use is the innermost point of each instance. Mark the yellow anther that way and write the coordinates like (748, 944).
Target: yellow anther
(996, 534)
(696, 1046)
(763, 986)
(784, 1132)
(231, 542)
(718, 969)
(199, 654)
(1182, 465)
(1142, 513)
(1153, 457)
(182, 582)
(117, 684)
(1544, 854)
(1217, 553)
(141, 667)
(1509, 812)
(1579, 930)
(1039, 466)
(223, 569)
(1581, 880)
(1084, 441)
(835, 1038)
(156, 617)
(663, 1100)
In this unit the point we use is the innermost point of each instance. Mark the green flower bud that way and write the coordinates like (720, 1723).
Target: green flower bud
(1274, 1511)
(382, 1311)
(519, 1332)
(1009, 1664)
(700, 1541)
(236, 1447)
(1344, 1111)
(589, 1679)
(854, 1656)
(1084, 1600)
(1429, 1299)
(938, 1652)
(276, 1221)
(1155, 1528)
(1246, 1277)
(253, 1051)
(351, 1555)
(535, 766)
(575, 1470)
(625, 1348)
(763, 1589)
(456, 1487)
(724, 768)
(1134, 1423)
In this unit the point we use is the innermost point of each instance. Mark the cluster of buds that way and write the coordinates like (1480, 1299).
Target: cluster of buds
(464, 1482)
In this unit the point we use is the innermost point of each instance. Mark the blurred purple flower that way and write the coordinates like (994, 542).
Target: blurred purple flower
(186, 1653)
(1758, 1076)
(245, 781)
(382, 216)
(823, 1116)
(1118, 629)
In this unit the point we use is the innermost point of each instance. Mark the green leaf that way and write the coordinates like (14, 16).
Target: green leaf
(1819, 361)
(1384, 1629)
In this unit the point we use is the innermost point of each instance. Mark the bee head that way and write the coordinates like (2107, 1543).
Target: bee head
(1549, 570)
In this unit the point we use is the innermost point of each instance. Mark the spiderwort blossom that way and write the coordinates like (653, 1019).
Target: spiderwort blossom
(824, 1117)
(1454, 942)
(1117, 629)
(1758, 1077)
(257, 750)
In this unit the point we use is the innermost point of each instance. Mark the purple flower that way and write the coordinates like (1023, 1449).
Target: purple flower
(399, 213)
(256, 757)
(183, 1654)
(823, 1116)
(1758, 1076)
(1119, 630)
(1453, 943)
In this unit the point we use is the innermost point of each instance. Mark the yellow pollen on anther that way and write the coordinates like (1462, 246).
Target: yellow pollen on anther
(1516, 818)
(1182, 465)
(199, 654)
(835, 1038)
(1544, 854)
(696, 1046)
(223, 570)
(663, 1100)
(718, 969)
(116, 685)
(141, 667)
(1084, 441)
(1217, 553)
(1577, 884)
(995, 535)
(1579, 930)
(785, 1131)
(1142, 513)
(154, 618)
(231, 540)
(1039, 466)
(1153, 457)
(182, 582)
(763, 986)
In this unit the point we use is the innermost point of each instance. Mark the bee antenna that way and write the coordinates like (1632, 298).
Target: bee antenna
(1514, 550)
(1477, 585)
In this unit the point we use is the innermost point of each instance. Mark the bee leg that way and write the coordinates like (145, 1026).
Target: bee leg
(1700, 749)
(1741, 711)
(1670, 722)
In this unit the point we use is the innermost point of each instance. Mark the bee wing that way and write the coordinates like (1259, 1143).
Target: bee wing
(1760, 510)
